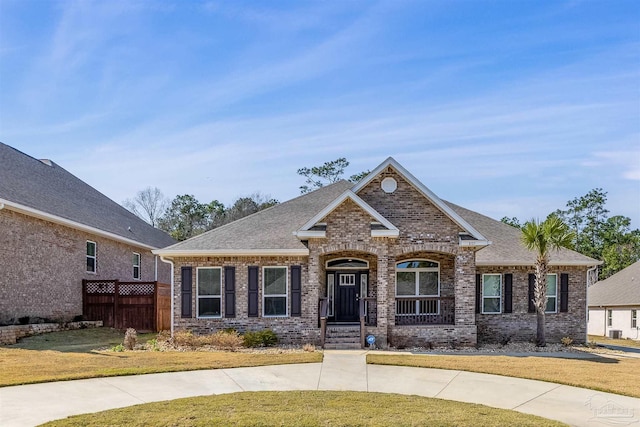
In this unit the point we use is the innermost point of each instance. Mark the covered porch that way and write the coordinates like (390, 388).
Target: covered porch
(412, 297)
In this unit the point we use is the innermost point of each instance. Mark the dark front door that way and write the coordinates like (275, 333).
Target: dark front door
(347, 293)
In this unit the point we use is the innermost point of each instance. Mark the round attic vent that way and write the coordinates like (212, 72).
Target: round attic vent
(389, 185)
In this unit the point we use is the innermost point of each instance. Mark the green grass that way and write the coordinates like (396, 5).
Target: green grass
(621, 342)
(307, 408)
(77, 341)
(620, 376)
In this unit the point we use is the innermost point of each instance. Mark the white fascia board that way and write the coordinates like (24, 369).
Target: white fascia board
(337, 202)
(26, 210)
(473, 243)
(310, 234)
(532, 263)
(168, 253)
(430, 195)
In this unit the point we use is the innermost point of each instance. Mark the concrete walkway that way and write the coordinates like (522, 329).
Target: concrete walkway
(341, 370)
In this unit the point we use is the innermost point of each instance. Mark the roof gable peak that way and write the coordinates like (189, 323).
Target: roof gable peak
(426, 192)
(306, 231)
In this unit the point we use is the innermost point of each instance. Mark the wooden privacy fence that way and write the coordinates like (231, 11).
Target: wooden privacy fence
(144, 306)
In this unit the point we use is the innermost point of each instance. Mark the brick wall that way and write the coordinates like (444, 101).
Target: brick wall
(43, 265)
(521, 325)
(417, 219)
(303, 329)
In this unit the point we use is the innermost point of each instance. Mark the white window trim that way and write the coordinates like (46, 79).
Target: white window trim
(492, 297)
(554, 296)
(609, 317)
(286, 295)
(94, 257)
(331, 280)
(198, 297)
(137, 265)
(417, 284)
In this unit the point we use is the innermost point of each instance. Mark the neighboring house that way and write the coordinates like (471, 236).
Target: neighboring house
(386, 253)
(614, 304)
(55, 230)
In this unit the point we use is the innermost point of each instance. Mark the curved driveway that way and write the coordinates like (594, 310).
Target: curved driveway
(341, 370)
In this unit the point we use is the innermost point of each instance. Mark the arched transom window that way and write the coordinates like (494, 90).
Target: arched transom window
(418, 278)
(349, 263)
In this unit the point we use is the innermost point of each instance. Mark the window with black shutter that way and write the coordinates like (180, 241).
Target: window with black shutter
(186, 276)
(253, 292)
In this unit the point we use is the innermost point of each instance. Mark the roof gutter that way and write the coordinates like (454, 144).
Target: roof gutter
(531, 264)
(26, 210)
(230, 252)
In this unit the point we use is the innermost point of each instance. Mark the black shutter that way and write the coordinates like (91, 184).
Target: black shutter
(478, 293)
(229, 292)
(564, 292)
(508, 293)
(296, 291)
(253, 291)
(532, 283)
(186, 278)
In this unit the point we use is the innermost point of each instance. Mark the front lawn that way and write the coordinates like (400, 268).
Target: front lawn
(620, 342)
(307, 408)
(613, 375)
(71, 355)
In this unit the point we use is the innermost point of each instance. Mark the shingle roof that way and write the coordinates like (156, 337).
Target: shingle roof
(505, 247)
(50, 189)
(623, 288)
(270, 229)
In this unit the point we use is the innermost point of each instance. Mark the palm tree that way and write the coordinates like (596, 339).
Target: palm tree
(544, 237)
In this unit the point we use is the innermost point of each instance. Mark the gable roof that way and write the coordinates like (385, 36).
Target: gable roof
(506, 248)
(430, 195)
(390, 230)
(273, 231)
(623, 288)
(44, 190)
(267, 232)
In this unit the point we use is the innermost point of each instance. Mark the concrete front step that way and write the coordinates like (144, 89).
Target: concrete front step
(341, 346)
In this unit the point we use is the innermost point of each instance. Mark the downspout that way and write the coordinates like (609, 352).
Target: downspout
(172, 297)
(155, 262)
(589, 275)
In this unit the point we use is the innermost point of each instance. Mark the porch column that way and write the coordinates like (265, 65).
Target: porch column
(465, 287)
(313, 289)
(384, 302)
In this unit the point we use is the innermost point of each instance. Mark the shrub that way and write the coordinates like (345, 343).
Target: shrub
(130, 339)
(24, 320)
(226, 340)
(309, 347)
(186, 338)
(566, 341)
(118, 348)
(264, 338)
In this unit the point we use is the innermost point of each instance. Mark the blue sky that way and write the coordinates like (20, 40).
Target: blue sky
(509, 108)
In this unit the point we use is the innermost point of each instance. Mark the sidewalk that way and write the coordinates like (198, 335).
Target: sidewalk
(30, 405)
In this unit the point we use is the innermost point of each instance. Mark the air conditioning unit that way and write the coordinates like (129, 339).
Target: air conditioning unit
(615, 333)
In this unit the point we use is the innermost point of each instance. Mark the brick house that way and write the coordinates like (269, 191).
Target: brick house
(384, 257)
(56, 230)
(614, 305)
